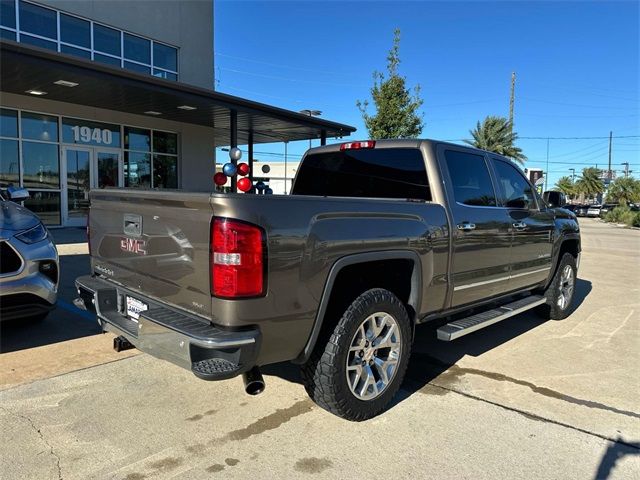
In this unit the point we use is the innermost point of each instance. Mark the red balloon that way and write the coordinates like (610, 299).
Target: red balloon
(244, 184)
(243, 169)
(220, 179)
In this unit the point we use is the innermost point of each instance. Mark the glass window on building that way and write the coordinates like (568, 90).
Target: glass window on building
(137, 139)
(75, 30)
(165, 142)
(137, 170)
(78, 52)
(46, 205)
(41, 165)
(9, 163)
(7, 34)
(85, 132)
(134, 67)
(8, 123)
(165, 57)
(106, 40)
(137, 49)
(38, 20)
(107, 60)
(165, 75)
(37, 126)
(8, 13)
(38, 42)
(165, 171)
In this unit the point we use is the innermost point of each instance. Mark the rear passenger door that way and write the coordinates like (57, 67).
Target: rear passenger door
(481, 230)
(532, 226)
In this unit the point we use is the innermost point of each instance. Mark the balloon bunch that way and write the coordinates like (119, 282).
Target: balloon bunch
(229, 170)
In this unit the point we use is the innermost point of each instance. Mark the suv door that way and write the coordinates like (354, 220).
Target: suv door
(481, 231)
(533, 228)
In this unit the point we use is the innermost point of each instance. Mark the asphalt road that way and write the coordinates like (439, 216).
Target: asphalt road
(524, 398)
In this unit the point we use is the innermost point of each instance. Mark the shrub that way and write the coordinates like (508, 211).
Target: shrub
(624, 215)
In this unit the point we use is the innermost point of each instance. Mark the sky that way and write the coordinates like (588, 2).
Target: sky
(576, 64)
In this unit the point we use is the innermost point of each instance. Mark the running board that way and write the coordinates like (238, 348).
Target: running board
(464, 326)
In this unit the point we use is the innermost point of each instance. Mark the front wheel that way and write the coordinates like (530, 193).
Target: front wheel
(357, 372)
(560, 292)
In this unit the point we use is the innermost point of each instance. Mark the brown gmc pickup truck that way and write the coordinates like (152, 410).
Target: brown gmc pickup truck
(376, 237)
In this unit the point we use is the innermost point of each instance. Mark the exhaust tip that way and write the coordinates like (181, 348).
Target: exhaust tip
(253, 382)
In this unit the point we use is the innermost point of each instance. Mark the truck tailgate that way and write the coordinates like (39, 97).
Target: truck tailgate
(154, 242)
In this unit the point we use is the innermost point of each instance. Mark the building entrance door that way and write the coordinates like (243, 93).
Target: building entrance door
(86, 168)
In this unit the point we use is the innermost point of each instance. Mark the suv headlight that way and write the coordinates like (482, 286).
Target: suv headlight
(33, 235)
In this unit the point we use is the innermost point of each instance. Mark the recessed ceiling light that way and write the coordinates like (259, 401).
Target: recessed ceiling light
(152, 112)
(36, 92)
(66, 83)
(186, 107)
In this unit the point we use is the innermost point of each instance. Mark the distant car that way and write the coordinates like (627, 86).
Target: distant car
(594, 210)
(607, 207)
(29, 268)
(581, 210)
(571, 207)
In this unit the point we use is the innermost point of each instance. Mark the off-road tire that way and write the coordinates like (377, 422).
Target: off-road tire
(551, 309)
(324, 374)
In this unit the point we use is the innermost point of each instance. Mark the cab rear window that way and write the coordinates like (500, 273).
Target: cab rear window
(374, 173)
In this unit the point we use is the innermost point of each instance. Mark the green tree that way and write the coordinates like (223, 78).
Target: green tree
(566, 186)
(396, 107)
(495, 134)
(624, 190)
(590, 183)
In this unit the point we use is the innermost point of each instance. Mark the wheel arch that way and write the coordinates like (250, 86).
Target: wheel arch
(411, 299)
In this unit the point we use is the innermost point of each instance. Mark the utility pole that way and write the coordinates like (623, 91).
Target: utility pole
(626, 169)
(573, 175)
(609, 171)
(546, 173)
(512, 98)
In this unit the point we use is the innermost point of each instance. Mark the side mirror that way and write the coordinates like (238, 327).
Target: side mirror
(17, 194)
(554, 199)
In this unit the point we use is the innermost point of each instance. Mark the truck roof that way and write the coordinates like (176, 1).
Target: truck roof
(399, 143)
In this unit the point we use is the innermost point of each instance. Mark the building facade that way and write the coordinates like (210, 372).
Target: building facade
(60, 150)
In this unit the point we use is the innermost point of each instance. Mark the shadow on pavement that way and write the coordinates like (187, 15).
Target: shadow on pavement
(66, 322)
(616, 451)
(431, 357)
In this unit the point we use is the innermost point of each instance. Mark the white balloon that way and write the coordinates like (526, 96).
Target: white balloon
(235, 154)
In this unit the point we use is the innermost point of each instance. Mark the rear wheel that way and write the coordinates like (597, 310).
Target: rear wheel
(560, 292)
(358, 370)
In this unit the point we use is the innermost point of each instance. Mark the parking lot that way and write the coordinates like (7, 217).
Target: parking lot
(525, 398)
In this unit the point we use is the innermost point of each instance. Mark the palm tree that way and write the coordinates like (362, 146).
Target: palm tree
(495, 134)
(566, 186)
(590, 183)
(624, 190)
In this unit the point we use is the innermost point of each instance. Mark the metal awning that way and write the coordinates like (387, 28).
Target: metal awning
(23, 67)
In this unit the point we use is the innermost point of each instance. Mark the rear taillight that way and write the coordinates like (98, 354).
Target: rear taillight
(237, 259)
(358, 145)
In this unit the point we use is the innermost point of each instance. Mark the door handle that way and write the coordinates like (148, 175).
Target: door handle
(520, 226)
(466, 226)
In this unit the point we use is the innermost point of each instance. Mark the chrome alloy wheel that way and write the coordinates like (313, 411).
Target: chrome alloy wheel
(567, 283)
(373, 357)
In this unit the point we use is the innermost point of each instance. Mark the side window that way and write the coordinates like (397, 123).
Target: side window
(515, 190)
(470, 179)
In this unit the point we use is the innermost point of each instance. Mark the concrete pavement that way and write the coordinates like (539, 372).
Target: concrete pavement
(522, 399)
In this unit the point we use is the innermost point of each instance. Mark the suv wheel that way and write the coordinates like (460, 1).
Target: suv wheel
(357, 372)
(561, 290)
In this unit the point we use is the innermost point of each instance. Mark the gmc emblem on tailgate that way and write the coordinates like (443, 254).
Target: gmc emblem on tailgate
(133, 245)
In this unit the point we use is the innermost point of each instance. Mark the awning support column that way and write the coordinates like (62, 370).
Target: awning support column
(233, 142)
(323, 137)
(250, 155)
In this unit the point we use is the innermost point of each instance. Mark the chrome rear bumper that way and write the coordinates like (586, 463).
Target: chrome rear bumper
(210, 352)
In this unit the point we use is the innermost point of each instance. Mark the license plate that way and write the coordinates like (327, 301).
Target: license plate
(134, 307)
